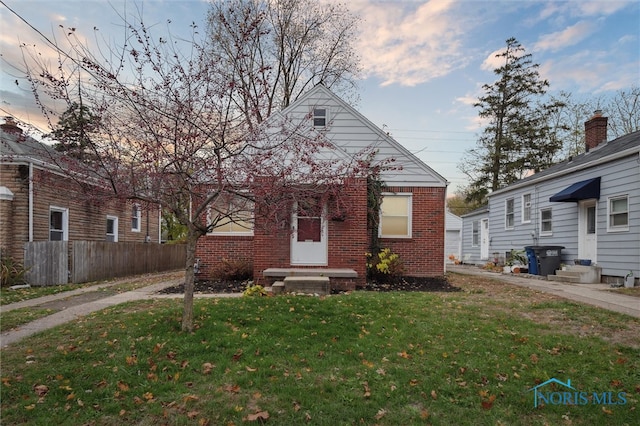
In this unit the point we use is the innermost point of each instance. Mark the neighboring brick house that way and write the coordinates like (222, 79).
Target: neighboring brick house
(412, 219)
(36, 205)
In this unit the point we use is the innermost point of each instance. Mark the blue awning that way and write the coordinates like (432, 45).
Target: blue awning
(583, 190)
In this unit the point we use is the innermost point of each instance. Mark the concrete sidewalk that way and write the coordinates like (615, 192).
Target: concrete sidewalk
(75, 308)
(599, 295)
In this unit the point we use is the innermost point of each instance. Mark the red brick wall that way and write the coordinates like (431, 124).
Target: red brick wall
(87, 221)
(423, 253)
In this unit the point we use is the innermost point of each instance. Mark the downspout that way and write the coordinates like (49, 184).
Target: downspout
(30, 202)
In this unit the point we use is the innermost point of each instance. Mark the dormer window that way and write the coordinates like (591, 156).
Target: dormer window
(319, 117)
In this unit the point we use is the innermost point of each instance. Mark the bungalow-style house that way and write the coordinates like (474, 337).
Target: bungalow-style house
(412, 212)
(588, 204)
(36, 205)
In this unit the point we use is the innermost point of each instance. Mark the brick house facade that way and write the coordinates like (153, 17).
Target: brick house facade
(414, 198)
(32, 195)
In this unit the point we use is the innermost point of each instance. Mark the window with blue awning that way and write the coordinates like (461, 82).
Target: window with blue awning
(583, 190)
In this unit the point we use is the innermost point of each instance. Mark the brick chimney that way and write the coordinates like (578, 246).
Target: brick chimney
(10, 126)
(595, 130)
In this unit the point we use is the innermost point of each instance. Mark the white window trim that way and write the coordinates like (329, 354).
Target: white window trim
(409, 197)
(139, 217)
(246, 233)
(65, 221)
(506, 214)
(477, 233)
(611, 228)
(115, 227)
(524, 208)
(326, 117)
(546, 233)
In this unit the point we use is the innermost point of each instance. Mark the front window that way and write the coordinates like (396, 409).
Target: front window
(136, 218)
(526, 208)
(58, 224)
(230, 218)
(509, 213)
(395, 216)
(475, 233)
(546, 222)
(112, 229)
(319, 117)
(618, 213)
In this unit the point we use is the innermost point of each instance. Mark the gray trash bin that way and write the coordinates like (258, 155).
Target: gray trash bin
(549, 259)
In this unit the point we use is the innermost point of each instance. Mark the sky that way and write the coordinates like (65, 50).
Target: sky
(424, 62)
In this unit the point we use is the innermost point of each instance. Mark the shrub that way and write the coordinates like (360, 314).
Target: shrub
(254, 290)
(12, 272)
(384, 266)
(234, 269)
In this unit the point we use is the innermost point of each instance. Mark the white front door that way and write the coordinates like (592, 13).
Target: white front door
(309, 238)
(587, 236)
(484, 239)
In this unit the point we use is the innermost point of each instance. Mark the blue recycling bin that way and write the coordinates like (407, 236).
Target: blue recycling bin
(531, 258)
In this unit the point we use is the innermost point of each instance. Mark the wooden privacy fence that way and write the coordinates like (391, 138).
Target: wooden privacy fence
(97, 260)
(46, 262)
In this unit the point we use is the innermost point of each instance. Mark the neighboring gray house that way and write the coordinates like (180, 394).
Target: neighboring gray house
(475, 236)
(588, 204)
(452, 236)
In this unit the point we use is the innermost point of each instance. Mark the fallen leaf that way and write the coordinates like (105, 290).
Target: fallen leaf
(232, 388)
(148, 396)
(207, 367)
(534, 358)
(606, 410)
(250, 369)
(237, 355)
(404, 355)
(123, 386)
(434, 395)
(188, 398)
(193, 414)
(131, 360)
(487, 404)
(367, 391)
(261, 415)
(296, 406)
(413, 382)
(380, 414)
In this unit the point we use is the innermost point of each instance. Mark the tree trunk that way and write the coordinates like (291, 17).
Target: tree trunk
(189, 279)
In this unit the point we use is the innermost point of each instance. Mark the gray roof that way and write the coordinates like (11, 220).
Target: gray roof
(15, 145)
(602, 153)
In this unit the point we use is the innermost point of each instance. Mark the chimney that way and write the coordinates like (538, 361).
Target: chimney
(595, 130)
(10, 126)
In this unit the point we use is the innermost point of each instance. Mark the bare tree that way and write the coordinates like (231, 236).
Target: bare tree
(275, 50)
(168, 131)
(624, 112)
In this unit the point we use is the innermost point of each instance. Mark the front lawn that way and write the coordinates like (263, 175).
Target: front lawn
(468, 357)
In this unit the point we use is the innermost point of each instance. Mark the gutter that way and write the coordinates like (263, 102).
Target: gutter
(566, 171)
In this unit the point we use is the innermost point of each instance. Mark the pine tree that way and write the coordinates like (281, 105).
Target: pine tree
(518, 138)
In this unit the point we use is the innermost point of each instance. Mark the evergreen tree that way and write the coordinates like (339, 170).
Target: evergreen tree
(74, 130)
(519, 137)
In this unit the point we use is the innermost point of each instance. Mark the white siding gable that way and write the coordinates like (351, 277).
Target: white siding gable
(350, 131)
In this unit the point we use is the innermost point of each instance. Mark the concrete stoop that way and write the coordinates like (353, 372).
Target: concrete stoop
(578, 274)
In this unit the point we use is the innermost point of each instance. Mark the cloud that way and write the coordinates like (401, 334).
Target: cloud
(568, 37)
(410, 44)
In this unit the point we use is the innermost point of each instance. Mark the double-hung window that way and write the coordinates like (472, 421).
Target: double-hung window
(509, 216)
(112, 229)
(395, 216)
(546, 223)
(618, 213)
(526, 208)
(58, 224)
(475, 233)
(136, 218)
(319, 117)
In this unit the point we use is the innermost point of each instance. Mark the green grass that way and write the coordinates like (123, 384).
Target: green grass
(8, 296)
(362, 358)
(18, 317)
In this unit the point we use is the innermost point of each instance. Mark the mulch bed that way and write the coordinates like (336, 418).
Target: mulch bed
(404, 284)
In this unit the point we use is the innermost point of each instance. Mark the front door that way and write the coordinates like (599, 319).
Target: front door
(484, 239)
(587, 236)
(309, 237)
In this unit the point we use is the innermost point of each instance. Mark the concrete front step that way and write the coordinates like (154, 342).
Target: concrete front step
(578, 274)
(310, 272)
(307, 284)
